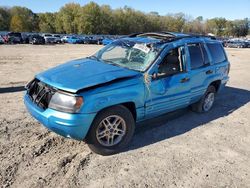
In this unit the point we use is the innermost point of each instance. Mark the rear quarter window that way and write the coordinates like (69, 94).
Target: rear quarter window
(217, 52)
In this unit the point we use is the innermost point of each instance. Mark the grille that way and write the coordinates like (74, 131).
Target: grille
(40, 93)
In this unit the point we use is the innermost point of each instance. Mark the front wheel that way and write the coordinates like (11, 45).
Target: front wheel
(111, 130)
(206, 102)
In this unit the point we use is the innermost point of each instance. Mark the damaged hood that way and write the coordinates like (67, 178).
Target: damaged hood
(83, 73)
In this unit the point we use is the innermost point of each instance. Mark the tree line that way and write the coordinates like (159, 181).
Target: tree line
(95, 19)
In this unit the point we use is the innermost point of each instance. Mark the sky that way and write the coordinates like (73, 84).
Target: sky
(229, 9)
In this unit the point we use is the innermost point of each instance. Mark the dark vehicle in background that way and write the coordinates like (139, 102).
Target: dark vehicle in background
(236, 44)
(99, 40)
(90, 40)
(36, 39)
(248, 43)
(14, 38)
(25, 37)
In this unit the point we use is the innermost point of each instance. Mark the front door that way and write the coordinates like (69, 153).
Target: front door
(171, 89)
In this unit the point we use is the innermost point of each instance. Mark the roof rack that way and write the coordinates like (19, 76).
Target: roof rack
(170, 36)
(157, 35)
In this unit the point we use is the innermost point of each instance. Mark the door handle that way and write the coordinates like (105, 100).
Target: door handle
(183, 80)
(209, 72)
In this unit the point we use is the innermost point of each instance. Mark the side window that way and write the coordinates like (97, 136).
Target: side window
(172, 63)
(204, 54)
(217, 52)
(196, 55)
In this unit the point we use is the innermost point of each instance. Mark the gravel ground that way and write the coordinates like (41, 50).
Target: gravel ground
(182, 149)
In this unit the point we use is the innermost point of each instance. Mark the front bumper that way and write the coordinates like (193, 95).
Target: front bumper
(74, 126)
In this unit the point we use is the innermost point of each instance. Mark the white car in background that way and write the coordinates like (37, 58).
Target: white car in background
(49, 39)
(65, 38)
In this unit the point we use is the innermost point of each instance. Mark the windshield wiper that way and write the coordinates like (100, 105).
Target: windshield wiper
(93, 57)
(109, 62)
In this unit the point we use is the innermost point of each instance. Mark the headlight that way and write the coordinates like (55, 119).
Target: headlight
(66, 103)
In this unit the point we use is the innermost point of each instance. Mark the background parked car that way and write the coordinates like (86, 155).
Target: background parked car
(14, 38)
(1, 40)
(64, 39)
(75, 40)
(236, 44)
(49, 39)
(25, 37)
(99, 40)
(90, 40)
(248, 43)
(36, 39)
(57, 38)
(96, 39)
(107, 41)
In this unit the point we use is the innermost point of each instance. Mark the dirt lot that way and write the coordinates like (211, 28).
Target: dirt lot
(191, 150)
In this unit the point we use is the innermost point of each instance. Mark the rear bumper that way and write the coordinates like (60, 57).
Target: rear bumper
(74, 126)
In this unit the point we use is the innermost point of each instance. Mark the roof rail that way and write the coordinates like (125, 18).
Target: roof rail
(200, 35)
(134, 34)
(158, 35)
(169, 36)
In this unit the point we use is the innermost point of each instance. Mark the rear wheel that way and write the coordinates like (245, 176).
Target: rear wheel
(111, 130)
(206, 102)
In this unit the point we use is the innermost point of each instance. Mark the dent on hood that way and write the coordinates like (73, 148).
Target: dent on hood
(105, 83)
(98, 82)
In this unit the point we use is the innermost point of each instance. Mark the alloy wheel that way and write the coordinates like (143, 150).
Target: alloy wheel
(208, 102)
(111, 130)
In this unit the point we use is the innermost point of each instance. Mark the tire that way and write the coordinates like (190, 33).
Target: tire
(200, 106)
(103, 145)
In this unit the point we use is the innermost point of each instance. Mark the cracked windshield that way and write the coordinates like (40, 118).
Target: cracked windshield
(129, 54)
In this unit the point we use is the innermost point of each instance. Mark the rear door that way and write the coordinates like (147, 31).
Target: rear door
(200, 70)
(220, 61)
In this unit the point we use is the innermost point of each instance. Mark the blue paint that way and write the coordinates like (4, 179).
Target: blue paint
(74, 40)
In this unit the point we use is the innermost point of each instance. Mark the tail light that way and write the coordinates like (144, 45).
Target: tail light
(228, 69)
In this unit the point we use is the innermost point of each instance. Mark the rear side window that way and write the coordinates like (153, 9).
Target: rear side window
(196, 55)
(217, 52)
(204, 53)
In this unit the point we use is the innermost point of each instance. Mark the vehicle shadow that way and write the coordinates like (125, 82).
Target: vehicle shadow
(11, 89)
(182, 121)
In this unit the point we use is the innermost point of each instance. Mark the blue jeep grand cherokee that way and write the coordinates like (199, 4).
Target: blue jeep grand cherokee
(100, 98)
